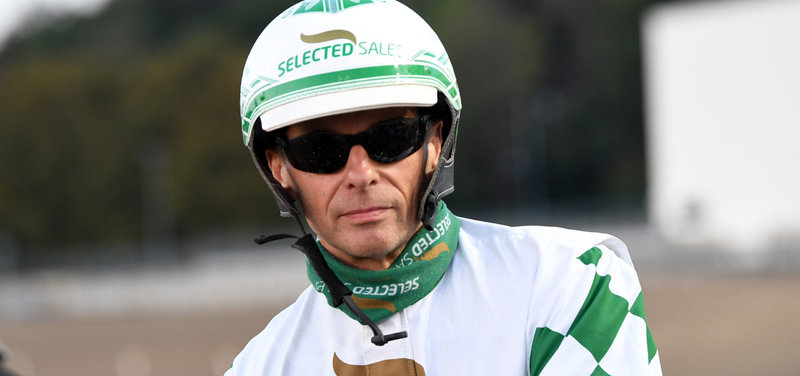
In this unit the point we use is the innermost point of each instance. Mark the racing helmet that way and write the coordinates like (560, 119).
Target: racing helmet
(321, 58)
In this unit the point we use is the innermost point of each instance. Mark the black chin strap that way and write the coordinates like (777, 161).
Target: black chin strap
(429, 211)
(339, 292)
(430, 203)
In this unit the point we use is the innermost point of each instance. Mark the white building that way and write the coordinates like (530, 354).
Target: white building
(722, 90)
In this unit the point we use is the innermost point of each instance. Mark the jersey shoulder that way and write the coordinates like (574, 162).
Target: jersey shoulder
(544, 242)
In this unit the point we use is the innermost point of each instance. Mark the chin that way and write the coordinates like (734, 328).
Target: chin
(375, 250)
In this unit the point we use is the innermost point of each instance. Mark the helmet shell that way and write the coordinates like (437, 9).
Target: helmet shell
(326, 57)
(321, 58)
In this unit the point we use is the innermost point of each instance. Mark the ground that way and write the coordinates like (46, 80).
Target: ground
(723, 324)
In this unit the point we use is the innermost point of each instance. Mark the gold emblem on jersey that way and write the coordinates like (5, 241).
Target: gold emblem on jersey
(389, 367)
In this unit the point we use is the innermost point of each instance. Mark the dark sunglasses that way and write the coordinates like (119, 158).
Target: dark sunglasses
(325, 152)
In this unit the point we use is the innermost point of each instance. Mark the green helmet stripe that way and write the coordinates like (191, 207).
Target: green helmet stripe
(273, 96)
(326, 6)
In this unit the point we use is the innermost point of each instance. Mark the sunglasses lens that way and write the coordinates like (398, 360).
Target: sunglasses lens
(318, 152)
(393, 140)
(385, 142)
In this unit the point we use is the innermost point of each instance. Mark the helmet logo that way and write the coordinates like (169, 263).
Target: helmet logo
(335, 50)
(327, 36)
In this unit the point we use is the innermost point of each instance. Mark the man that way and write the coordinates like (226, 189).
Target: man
(351, 108)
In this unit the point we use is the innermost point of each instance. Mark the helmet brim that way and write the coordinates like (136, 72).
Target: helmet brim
(339, 102)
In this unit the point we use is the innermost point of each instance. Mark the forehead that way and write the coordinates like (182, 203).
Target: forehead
(350, 122)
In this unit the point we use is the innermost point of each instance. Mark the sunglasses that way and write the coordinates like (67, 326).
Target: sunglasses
(325, 152)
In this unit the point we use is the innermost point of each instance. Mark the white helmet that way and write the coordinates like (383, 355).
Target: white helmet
(326, 57)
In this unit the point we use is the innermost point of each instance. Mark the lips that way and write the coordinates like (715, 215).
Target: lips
(366, 214)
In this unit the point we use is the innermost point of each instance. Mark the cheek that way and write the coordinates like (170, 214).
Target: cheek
(408, 175)
(314, 211)
(313, 192)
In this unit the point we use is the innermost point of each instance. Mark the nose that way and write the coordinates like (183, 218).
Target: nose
(360, 169)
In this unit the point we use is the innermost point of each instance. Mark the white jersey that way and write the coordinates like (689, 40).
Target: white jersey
(513, 301)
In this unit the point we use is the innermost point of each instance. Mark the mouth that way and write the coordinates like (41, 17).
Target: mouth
(365, 215)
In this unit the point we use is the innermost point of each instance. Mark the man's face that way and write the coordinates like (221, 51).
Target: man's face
(366, 212)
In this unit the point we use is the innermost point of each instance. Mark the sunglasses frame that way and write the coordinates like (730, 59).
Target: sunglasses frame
(363, 138)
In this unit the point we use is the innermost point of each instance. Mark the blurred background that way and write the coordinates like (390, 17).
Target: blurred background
(128, 204)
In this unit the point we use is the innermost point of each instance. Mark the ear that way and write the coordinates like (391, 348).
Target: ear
(434, 146)
(280, 171)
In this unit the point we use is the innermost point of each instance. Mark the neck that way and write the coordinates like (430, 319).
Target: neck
(364, 263)
(382, 261)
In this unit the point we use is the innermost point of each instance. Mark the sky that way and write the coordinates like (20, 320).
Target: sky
(16, 12)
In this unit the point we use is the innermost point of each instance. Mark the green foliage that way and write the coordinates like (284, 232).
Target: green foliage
(78, 120)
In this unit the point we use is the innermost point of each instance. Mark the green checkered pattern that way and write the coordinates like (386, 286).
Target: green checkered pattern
(609, 335)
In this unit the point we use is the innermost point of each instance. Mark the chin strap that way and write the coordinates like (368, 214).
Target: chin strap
(339, 292)
(429, 211)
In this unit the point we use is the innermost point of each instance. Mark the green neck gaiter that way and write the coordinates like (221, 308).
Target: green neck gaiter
(414, 273)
